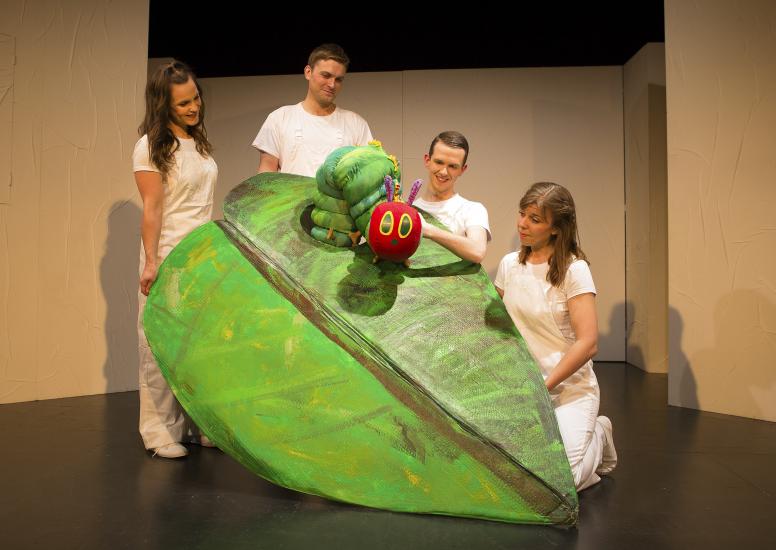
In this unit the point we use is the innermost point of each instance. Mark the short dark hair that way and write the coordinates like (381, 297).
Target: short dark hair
(453, 139)
(328, 51)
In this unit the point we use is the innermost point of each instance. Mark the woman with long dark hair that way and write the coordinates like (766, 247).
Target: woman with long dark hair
(176, 177)
(548, 291)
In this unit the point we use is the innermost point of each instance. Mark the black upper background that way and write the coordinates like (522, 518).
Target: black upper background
(229, 39)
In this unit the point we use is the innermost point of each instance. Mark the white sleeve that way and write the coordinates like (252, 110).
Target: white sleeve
(141, 157)
(361, 132)
(477, 215)
(423, 221)
(366, 135)
(579, 279)
(501, 275)
(268, 138)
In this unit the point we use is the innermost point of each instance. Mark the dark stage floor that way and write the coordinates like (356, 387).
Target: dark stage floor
(73, 474)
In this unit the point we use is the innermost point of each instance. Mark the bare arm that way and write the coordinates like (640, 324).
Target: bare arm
(471, 247)
(152, 193)
(584, 321)
(268, 163)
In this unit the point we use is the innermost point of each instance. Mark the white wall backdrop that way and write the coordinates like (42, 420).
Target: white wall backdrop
(71, 76)
(721, 98)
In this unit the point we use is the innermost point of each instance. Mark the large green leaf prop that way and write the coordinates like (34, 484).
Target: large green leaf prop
(404, 388)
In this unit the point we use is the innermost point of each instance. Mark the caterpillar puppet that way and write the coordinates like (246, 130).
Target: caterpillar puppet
(359, 193)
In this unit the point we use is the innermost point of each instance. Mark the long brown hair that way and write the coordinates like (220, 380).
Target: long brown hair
(162, 143)
(555, 199)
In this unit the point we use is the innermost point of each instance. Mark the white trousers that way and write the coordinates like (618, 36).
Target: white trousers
(162, 419)
(583, 438)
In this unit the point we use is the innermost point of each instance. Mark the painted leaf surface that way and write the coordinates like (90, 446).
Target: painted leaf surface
(400, 388)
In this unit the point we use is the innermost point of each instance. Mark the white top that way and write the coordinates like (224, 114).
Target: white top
(188, 191)
(457, 213)
(578, 281)
(302, 141)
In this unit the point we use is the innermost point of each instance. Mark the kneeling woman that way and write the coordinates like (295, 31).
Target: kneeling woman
(548, 290)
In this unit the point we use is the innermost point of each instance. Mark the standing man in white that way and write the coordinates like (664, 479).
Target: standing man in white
(296, 139)
(467, 220)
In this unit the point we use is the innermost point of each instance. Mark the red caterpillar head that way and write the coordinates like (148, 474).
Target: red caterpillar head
(395, 227)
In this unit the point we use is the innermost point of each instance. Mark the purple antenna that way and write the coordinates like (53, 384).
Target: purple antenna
(388, 188)
(414, 191)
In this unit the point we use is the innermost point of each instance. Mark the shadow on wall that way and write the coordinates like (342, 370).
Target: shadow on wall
(634, 355)
(119, 280)
(611, 342)
(678, 365)
(738, 370)
(611, 339)
(634, 352)
(677, 361)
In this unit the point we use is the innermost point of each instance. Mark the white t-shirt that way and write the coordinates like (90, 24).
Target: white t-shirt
(302, 141)
(188, 191)
(578, 281)
(457, 213)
